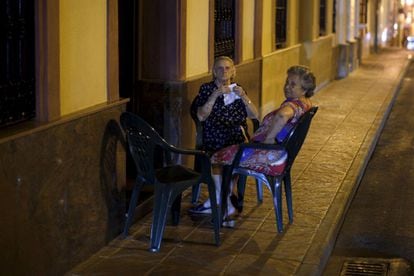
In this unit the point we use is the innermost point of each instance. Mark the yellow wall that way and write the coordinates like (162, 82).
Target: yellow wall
(267, 31)
(248, 30)
(274, 75)
(318, 56)
(309, 16)
(315, 53)
(197, 37)
(329, 19)
(293, 23)
(82, 54)
(322, 62)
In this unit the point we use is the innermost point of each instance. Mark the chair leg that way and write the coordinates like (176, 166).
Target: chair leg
(162, 200)
(277, 202)
(131, 209)
(288, 193)
(196, 189)
(259, 190)
(195, 193)
(226, 179)
(241, 188)
(176, 209)
(215, 209)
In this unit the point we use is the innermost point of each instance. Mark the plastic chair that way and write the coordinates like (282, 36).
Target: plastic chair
(199, 145)
(291, 145)
(169, 181)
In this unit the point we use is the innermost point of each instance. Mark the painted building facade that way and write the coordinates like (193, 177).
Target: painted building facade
(63, 173)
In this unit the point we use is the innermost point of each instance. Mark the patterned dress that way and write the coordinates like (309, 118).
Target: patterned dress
(271, 162)
(226, 125)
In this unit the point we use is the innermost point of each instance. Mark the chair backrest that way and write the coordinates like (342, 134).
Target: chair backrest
(198, 126)
(297, 135)
(142, 140)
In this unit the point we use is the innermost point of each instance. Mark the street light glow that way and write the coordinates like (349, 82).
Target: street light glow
(384, 35)
(408, 20)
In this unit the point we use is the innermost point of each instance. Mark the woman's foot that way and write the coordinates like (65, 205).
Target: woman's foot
(205, 208)
(231, 210)
(201, 209)
(229, 218)
(235, 201)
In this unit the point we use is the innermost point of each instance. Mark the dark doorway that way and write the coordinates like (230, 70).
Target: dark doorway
(128, 11)
(127, 58)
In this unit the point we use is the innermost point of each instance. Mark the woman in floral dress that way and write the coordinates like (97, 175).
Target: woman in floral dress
(276, 125)
(222, 107)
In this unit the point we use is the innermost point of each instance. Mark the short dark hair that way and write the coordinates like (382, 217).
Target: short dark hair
(307, 78)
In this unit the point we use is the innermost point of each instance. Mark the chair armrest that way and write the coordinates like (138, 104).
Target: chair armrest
(200, 153)
(203, 157)
(261, 146)
(168, 147)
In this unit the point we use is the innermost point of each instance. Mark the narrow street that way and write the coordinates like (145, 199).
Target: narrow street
(379, 226)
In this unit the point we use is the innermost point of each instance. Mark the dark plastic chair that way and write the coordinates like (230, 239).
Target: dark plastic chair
(169, 181)
(199, 145)
(292, 145)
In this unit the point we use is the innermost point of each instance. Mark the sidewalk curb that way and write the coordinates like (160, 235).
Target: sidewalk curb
(324, 240)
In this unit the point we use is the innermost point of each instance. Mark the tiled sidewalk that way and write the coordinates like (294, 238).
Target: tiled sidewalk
(325, 176)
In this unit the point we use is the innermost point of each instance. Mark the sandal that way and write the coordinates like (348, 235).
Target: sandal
(200, 210)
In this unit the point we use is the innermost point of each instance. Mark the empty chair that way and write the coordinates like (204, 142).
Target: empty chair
(272, 175)
(169, 181)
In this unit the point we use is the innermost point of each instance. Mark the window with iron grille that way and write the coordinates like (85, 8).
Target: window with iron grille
(224, 28)
(281, 24)
(334, 17)
(322, 17)
(17, 74)
(363, 10)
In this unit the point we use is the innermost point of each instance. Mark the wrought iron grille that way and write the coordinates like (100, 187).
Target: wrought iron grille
(224, 28)
(322, 17)
(281, 23)
(363, 11)
(17, 89)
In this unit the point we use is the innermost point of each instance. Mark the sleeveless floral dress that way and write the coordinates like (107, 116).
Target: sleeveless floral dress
(270, 162)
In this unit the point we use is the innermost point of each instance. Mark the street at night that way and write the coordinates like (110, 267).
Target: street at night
(380, 222)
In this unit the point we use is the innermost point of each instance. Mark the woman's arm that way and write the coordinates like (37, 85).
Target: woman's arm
(278, 122)
(250, 107)
(204, 111)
